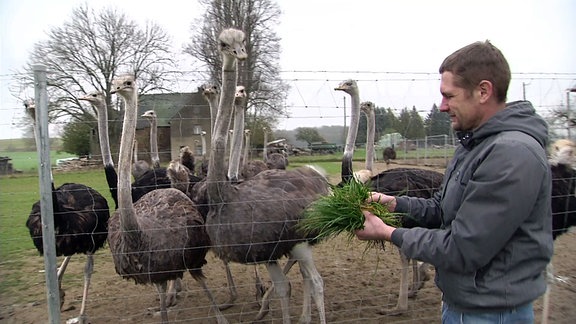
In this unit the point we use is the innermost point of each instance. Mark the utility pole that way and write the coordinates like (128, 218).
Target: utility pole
(344, 130)
(568, 116)
(524, 84)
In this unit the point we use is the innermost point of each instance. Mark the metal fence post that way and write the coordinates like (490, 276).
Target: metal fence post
(45, 180)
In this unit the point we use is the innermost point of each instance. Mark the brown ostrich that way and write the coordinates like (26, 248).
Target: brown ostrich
(243, 224)
(389, 154)
(156, 239)
(80, 222)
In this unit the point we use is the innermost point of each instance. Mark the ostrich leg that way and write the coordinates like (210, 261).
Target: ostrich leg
(265, 303)
(60, 275)
(88, 269)
(231, 288)
(402, 305)
(313, 283)
(161, 287)
(281, 288)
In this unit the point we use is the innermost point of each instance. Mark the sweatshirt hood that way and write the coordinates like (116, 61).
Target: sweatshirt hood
(517, 116)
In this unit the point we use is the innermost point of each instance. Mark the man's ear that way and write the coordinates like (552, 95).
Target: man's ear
(485, 89)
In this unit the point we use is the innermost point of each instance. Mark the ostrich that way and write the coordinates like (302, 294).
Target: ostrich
(155, 177)
(250, 168)
(562, 161)
(98, 101)
(367, 107)
(243, 224)
(80, 222)
(351, 88)
(211, 93)
(156, 239)
(204, 164)
(273, 160)
(153, 119)
(408, 181)
(140, 166)
(240, 99)
(389, 154)
(187, 158)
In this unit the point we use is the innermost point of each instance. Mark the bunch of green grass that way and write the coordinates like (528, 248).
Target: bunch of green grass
(341, 212)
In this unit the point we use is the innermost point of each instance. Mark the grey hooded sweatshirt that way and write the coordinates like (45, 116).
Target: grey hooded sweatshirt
(489, 229)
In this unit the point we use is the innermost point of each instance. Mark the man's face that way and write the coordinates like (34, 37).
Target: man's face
(460, 104)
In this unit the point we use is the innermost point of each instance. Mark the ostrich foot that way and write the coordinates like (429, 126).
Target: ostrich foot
(396, 311)
(82, 319)
(423, 276)
(260, 291)
(62, 297)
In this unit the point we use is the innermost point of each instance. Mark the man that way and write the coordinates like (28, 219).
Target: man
(488, 231)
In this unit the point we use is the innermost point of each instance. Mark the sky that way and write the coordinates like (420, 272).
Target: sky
(392, 48)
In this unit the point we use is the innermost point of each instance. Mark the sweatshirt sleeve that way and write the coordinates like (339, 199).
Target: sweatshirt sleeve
(496, 201)
(425, 212)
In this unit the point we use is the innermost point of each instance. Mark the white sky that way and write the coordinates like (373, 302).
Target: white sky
(326, 37)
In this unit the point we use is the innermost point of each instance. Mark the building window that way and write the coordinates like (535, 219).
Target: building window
(197, 129)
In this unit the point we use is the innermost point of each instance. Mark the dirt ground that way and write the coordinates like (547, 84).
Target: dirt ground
(358, 283)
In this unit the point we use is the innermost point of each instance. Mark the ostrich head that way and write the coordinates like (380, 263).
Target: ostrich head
(240, 96)
(348, 86)
(209, 91)
(367, 106)
(150, 115)
(563, 151)
(125, 86)
(232, 43)
(97, 99)
(247, 132)
(30, 107)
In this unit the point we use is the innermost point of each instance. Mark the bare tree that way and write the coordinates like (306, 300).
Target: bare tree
(88, 51)
(260, 73)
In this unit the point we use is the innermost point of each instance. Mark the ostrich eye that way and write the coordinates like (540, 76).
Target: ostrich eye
(128, 83)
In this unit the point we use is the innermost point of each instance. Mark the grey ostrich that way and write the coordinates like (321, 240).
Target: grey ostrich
(80, 222)
(240, 99)
(156, 239)
(155, 177)
(98, 101)
(351, 88)
(250, 167)
(408, 181)
(211, 94)
(139, 167)
(243, 224)
(273, 160)
(153, 119)
(367, 107)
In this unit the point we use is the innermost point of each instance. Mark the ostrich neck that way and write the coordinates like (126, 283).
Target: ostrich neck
(216, 177)
(203, 141)
(154, 143)
(371, 128)
(265, 147)
(103, 136)
(246, 148)
(127, 213)
(354, 119)
(347, 171)
(236, 145)
(213, 102)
